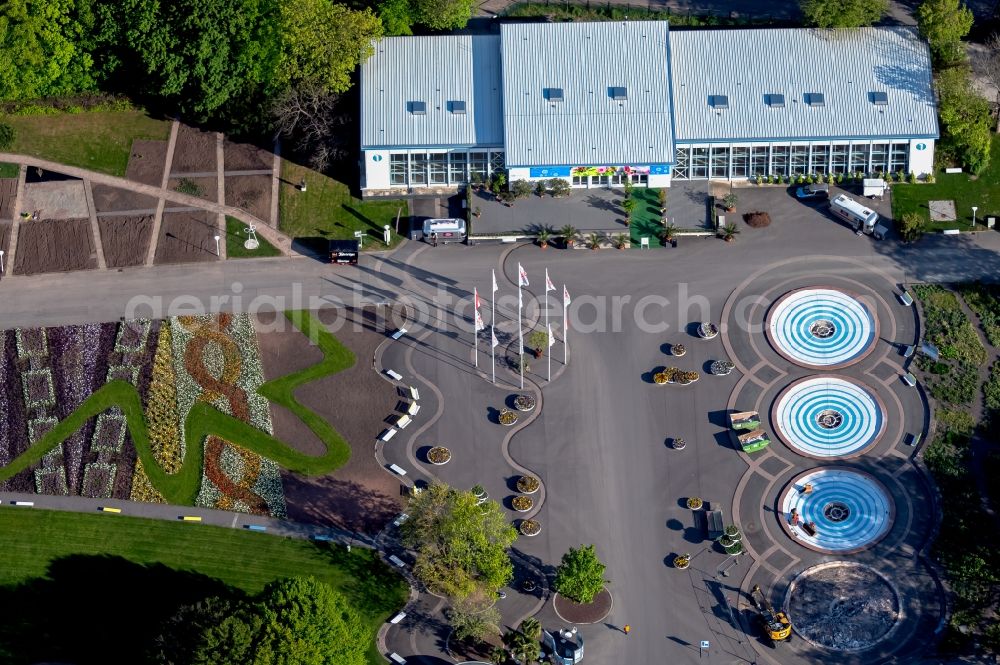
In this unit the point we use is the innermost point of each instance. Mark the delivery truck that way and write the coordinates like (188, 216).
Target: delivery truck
(860, 218)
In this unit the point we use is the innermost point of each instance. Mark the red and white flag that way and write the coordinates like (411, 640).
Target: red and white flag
(479, 321)
(549, 286)
(475, 291)
(565, 297)
(495, 287)
(495, 343)
(552, 338)
(522, 277)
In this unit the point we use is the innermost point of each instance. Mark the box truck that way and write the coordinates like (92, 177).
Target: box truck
(862, 219)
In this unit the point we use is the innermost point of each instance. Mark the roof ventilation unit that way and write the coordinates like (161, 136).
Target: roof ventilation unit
(417, 108)
(814, 99)
(619, 94)
(880, 98)
(775, 101)
(553, 94)
(718, 101)
(457, 107)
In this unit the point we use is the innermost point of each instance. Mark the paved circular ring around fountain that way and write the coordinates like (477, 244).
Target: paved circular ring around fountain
(821, 328)
(828, 417)
(852, 510)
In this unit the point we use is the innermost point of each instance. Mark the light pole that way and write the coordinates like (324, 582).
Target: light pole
(974, 209)
(1, 261)
(217, 252)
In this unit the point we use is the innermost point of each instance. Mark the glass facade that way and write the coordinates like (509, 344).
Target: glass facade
(724, 162)
(442, 168)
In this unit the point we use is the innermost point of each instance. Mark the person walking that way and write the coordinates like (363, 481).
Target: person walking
(627, 629)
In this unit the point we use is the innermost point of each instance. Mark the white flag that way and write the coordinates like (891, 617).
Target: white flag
(495, 287)
(522, 277)
(495, 343)
(549, 286)
(479, 321)
(552, 338)
(565, 296)
(475, 292)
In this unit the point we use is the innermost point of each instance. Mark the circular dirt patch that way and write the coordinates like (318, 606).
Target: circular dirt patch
(581, 613)
(843, 606)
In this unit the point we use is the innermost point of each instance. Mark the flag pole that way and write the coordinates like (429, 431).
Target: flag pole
(565, 328)
(548, 329)
(520, 333)
(493, 326)
(475, 325)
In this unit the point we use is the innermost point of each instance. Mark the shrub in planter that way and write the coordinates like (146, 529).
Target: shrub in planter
(530, 528)
(568, 233)
(694, 503)
(732, 531)
(661, 196)
(528, 484)
(682, 561)
(729, 201)
(721, 367)
(540, 188)
(677, 350)
(661, 378)
(735, 548)
(507, 417)
(559, 187)
(438, 455)
(479, 491)
(524, 402)
(678, 443)
(539, 339)
(520, 189)
(758, 179)
(522, 503)
(685, 378)
(757, 220)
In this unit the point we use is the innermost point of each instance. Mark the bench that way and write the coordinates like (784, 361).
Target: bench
(403, 422)
(810, 529)
(399, 617)
(394, 375)
(908, 351)
(322, 537)
(399, 333)
(414, 394)
(396, 658)
(414, 409)
(109, 509)
(396, 561)
(399, 520)
(906, 298)
(256, 527)
(909, 379)
(388, 434)
(912, 439)
(397, 469)
(190, 518)
(24, 503)
(713, 519)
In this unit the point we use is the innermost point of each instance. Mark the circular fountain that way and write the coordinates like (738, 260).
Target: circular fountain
(822, 328)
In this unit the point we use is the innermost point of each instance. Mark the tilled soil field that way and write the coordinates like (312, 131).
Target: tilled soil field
(54, 245)
(251, 193)
(4, 239)
(207, 187)
(112, 199)
(8, 190)
(194, 151)
(126, 239)
(186, 237)
(246, 157)
(360, 495)
(146, 162)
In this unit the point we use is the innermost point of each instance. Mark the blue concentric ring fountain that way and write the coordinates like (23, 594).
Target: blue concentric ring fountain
(821, 328)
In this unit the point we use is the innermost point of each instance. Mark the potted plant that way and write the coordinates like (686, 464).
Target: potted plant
(669, 231)
(620, 241)
(661, 378)
(678, 443)
(539, 340)
(593, 242)
(694, 503)
(524, 402)
(476, 212)
(529, 528)
(627, 186)
(438, 455)
(661, 196)
(628, 205)
(707, 330)
(559, 187)
(729, 201)
(528, 484)
(540, 188)
(499, 180)
(480, 493)
(543, 236)
(729, 232)
(721, 367)
(685, 378)
(522, 504)
(507, 417)
(677, 350)
(758, 179)
(568, 233)
(732, 531)
(682, 561)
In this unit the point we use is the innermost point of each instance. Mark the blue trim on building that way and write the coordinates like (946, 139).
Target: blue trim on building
(440, 148)
(828, 139)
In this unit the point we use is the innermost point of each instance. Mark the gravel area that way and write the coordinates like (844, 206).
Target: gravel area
(112, 199)
(126, 239)
(207, 187)
(251, 193)
(55, 246)
(361, 495)
(146, 162)
(194, 151)
(246, 157)
(56, 199)
(8, 191)
(186, 237)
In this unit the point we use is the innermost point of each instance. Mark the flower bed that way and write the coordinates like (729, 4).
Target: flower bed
(524, 402)
(522, 504)
(721, 367)
(38, 390)
(675, 375)
(529, 528)
(528, 484)
(507, 417)
(438, 455)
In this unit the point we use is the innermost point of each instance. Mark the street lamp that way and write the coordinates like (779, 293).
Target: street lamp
(217, 252)
(1, 261)
(974, 209)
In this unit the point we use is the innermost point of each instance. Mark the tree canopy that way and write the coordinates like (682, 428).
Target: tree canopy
(944, 23)
(441, 14)
(461, 546)
(966, 120)
(580, 576)
(843, 13)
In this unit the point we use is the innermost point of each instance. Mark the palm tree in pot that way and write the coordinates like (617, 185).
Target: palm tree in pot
(729, 201)
(568, 234)
(669, 231)
(543, 236)
(621, 241)
(539, 339)
(593, 242)
(729, 232)
(628, 205)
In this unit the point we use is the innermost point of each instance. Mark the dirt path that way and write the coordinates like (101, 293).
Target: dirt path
(220, 192)
(164, 179)
(275, 184)
(15, 222)
(94, 228)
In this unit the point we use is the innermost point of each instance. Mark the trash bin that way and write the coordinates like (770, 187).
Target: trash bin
(416, 234)
(673, 243)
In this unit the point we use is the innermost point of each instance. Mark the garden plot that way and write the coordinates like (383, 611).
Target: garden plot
(8, 192)
(55, 245)
(146, 162)
(112, 199)
(247, 157)
(187, 237)
(4, 239)
(202, 187)
(56, 199)
(125, 239)
(194, 151)
(251, 193)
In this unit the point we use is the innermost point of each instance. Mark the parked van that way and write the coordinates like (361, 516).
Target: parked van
(343, 251)
(444, 230)
(857, 215)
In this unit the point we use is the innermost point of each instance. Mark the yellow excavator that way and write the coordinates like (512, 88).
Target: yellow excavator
(776, 625)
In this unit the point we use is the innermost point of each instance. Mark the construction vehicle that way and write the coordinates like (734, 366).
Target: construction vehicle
(777, 627)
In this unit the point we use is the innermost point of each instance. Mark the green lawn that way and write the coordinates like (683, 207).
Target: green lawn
(9, 170)
(117, 576)
(236, 235)
(100, 140)
(327, 210)
(965, 190)
(646, 218)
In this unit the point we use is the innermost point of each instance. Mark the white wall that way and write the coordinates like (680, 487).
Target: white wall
(520, 173)
(922, 161)
(659, 180)
(376, 167)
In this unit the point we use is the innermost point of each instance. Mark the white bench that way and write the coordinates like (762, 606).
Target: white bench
(395, 468)
(414, 409)
(909, 379)
(396, 658)
(953, 170)
(393, 374)
(951, 232)
(399, 520)
(399, 333)
(399, 617)
(908, 351)
(388, 434)
(414, 394)
(906, 298)
(24, 503)
(396, 561)
(403, 422)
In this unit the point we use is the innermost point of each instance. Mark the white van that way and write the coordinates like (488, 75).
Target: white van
(444, 230)
(857, 215)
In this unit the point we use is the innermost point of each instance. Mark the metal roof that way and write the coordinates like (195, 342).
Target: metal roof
(437, 71)
(844, 66)
(589, 62)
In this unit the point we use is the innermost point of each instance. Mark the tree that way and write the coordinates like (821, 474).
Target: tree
(469, 621)
(7, 136)
(965, 119)
(323, 43)
(461, 545)
(523, 647)
(395, 16)
(843, 13)
(943, 23)
(309, 116)
(911, 226)
(442, 14)
(532, 628)
(580, 576)
(539, 339)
